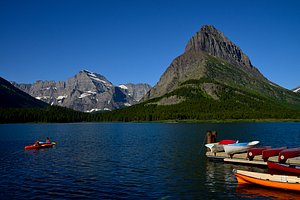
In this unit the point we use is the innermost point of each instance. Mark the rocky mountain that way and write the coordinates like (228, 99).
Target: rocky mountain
(210, 65)
(12, 97)
(136, 91)
(86, 91)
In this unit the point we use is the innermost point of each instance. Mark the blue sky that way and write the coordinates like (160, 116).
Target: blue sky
(135, 41)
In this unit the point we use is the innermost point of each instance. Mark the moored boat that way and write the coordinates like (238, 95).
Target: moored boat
(219, 146)
(288, 153)
(268, 180)
(232, 149)
(41, 146)
(251, 153)
(284, 167)
(267, 153)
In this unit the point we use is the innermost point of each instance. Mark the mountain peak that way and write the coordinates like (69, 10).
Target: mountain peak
(215, 43)
(210, 54)
(96, 78)
(86, 71)
(210, 29)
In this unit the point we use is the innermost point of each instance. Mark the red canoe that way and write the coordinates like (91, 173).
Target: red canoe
(288, 153)
(42, 146)
(284, 167)
(271, 152)
(251, 153)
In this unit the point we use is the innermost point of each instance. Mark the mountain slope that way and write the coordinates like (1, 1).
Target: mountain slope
(136, 91)
(12, 97)
(209, 55)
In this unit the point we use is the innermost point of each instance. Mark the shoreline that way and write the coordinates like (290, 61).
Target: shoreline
(175, 121)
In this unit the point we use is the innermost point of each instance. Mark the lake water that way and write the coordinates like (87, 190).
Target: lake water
(130, 161)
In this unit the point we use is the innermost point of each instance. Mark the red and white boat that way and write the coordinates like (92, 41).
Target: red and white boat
(284, 167)
(288, 153)
(251, 153)
(267, 153)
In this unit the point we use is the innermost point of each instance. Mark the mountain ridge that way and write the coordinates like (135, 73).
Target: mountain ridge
(86, 91)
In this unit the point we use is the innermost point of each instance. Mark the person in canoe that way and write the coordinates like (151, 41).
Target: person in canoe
(37, 143)
(48, 140)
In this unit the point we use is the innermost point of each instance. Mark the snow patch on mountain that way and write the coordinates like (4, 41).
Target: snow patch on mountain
(124, 87)
(98, 79)
(93, 110)
(90, 73)
(84, 95)
(61, 97)
(43, 97)
(87, 93)
(127, 104)
(296, 89)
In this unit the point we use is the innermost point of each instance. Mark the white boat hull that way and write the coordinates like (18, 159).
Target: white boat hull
(236, 149)
(239, 147)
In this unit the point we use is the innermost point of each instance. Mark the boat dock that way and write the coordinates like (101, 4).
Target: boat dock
(242, 159)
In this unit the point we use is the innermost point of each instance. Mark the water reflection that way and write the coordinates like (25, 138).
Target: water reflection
(253, 191)
(221, 181)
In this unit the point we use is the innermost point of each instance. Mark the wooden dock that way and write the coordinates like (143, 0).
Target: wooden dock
(242, 159)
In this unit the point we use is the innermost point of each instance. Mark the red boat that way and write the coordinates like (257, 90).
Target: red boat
(284, 167)
(288, 153)
(271, 152)
(41, 146)
(251, 153)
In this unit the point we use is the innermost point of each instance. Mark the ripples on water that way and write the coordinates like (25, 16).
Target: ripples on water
(128, 161)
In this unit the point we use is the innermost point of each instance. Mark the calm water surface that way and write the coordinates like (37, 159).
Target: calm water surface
(130, 161)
